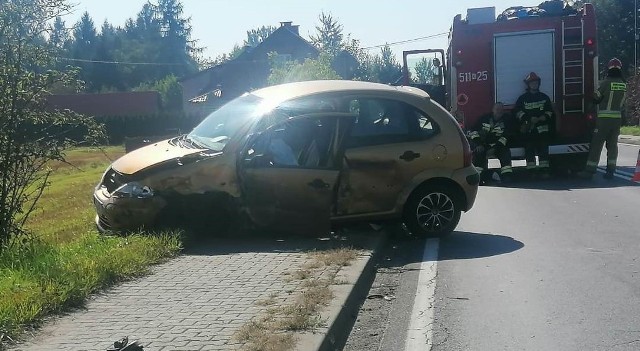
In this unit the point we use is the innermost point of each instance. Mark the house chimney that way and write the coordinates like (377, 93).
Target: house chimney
(292, 28)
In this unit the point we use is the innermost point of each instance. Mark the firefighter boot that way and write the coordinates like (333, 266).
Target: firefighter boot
(608, 175)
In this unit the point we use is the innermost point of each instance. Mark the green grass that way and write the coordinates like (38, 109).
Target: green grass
(630, 130)
(66, 259)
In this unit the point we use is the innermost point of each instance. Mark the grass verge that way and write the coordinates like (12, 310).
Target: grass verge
(65, 259)
(630, 130)
(274, 330)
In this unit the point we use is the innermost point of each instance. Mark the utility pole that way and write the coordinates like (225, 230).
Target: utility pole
(635, 35)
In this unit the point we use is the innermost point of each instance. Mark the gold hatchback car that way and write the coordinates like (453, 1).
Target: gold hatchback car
(302, 157)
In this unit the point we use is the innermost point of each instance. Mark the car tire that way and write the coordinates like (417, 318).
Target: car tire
(432, 212)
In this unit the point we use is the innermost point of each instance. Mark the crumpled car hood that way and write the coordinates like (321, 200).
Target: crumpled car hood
(151, 155)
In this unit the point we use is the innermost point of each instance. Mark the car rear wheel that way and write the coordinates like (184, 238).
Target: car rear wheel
(432, 212)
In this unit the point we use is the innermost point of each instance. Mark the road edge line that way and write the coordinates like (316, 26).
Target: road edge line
(420, 331)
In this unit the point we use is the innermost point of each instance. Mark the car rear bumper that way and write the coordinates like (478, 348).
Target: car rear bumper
(468, 178)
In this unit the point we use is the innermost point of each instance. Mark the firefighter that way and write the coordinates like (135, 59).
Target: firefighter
(535, 114)
(610, 97)
(488, 137)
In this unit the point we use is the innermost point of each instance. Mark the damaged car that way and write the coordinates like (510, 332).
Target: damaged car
(301, 157)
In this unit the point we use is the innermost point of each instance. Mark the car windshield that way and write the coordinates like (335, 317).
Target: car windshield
(221, 125)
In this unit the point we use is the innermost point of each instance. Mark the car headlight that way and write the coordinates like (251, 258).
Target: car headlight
(133, 190)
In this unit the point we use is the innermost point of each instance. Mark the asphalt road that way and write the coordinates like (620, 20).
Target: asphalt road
(550, 265)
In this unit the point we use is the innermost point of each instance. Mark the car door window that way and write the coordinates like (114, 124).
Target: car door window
(297, 143)
(383, 121)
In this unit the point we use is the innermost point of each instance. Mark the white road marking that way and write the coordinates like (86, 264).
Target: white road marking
(617, 174)
(420, 331)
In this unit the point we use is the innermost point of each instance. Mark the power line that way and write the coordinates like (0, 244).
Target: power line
(407, 41)
(181, 64)
(120, 62)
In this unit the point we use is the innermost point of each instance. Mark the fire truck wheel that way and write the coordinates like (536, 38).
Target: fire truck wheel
(432, 211)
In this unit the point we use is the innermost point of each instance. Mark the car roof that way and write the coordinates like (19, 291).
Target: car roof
(288, 91)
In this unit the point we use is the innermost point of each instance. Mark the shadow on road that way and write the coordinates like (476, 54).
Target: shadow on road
(231, 242)
(465, 246)
(567, 184)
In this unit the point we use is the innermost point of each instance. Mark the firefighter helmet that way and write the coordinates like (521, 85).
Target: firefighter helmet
(532, 77)
(614, 63)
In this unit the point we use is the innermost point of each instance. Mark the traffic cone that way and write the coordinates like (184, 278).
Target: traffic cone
(636, 175)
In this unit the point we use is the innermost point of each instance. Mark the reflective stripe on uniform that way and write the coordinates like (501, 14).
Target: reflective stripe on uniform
(544, 164)
(616, 86)
(531, 165)
(506, 169)
(542, 129)
(611, 162)
(520, 114)
(474, 135)
(503, 141)
(609, 114)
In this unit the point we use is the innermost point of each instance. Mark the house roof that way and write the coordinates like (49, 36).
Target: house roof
(108, 104)
(285, 31)
(257, 54)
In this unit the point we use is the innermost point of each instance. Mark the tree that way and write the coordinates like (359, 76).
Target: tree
(178, 48)
(32, 135)
(106, 76)
(424, 72)
(293, 71)
(84, 46)
(615, 30)
(60, 37)
(170, 92)
(258, 35)
(328, 37)
(386, 67)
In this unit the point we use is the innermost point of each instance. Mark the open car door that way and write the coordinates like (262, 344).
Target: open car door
(289, 174)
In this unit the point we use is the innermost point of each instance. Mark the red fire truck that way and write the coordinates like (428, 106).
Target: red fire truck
(488, 59)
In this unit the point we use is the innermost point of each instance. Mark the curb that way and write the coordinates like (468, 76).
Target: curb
(629, 139)
(342, 311)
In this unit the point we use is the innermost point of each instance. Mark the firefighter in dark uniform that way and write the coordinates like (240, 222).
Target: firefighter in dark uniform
(610, 97)
(489, 136)
(535, 113)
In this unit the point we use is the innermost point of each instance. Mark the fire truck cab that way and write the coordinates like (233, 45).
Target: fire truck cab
(488, 59)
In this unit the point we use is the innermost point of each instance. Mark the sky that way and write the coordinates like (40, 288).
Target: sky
(219, 24)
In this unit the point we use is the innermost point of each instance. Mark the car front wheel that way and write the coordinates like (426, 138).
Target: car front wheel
(432, 212)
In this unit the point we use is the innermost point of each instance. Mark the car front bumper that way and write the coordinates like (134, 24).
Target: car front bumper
(120, 214)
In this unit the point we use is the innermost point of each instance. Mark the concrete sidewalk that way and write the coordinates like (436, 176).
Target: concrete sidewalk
(197, 301)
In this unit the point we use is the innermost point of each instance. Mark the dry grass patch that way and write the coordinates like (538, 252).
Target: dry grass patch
(274, 330)
(337, 257)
